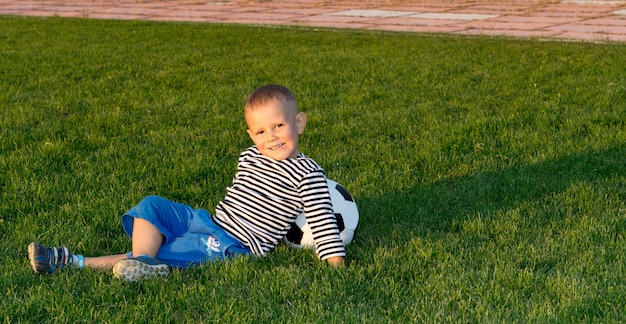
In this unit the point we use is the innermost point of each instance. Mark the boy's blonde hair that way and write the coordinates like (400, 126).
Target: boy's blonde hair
(267, 93)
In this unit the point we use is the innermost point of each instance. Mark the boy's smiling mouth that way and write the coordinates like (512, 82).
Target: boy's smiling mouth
(276, 147)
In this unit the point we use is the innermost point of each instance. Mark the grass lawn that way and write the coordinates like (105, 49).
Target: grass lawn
(490, 173)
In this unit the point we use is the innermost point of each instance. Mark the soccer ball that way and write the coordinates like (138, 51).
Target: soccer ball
(345, 210)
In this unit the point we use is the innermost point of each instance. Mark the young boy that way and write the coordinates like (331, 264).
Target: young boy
(273, 184)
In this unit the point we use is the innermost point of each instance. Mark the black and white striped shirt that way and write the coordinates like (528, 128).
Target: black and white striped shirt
(267, 196)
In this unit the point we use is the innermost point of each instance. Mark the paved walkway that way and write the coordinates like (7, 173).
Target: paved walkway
(584, 20)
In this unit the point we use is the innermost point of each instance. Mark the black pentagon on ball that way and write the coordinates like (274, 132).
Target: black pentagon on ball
(340, 223)
(346, 195)
(294, 234)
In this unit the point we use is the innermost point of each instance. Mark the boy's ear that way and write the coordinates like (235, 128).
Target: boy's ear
(300, 122)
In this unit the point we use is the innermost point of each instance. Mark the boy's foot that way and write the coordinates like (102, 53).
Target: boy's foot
(47, 259)
(140, 267)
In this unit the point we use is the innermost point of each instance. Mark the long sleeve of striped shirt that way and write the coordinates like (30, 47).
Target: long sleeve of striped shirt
(266, 197)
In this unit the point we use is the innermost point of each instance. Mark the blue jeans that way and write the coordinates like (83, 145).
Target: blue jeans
(190, 235)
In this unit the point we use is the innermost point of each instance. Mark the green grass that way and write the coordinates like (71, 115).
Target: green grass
(490, 173)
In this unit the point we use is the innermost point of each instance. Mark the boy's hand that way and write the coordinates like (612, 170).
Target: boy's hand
(336, 262)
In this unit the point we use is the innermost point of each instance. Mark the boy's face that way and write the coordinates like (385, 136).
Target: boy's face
(274, 128)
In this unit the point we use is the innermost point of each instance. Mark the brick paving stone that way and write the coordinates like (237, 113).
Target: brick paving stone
(495, 9)
(304, 11)
(596, 38)
(540, 21)
(579, 11)
(589, 29)
(538, 34)
(258, 16)
(371, 13)
(506, 25)
(190, 20)
(418, 29)
(97, 15)
(140, 12)
(407, 21)
(51, 13)
(594, 2)
(606, 21)
(337, 25)
(421, 7)
(452, 16)
(334, 19)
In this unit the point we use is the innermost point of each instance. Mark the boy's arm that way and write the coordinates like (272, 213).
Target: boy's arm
(336, 262)
(318, 209)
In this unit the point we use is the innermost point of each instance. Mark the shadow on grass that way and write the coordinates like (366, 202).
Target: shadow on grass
(436, 207)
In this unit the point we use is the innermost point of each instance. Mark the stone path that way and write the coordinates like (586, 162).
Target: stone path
(582, 20)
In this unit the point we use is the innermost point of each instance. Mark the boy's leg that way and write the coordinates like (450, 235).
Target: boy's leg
(147, 239)
(103, 262)
(48, 259)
